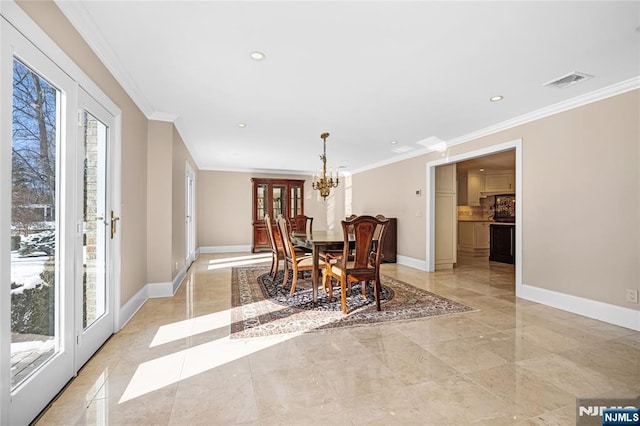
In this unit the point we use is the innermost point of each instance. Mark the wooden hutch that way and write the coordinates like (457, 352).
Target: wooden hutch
(274, 197)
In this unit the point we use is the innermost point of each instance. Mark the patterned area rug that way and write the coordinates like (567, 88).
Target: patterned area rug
(261, 307)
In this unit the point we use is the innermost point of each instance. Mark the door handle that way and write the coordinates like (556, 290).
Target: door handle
(114, 218)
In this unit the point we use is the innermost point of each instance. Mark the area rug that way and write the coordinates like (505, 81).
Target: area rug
(261, 307)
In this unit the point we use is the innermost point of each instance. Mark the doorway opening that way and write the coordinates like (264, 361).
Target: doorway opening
(486, 153)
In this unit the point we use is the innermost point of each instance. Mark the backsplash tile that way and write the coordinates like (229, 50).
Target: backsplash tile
(482, 212)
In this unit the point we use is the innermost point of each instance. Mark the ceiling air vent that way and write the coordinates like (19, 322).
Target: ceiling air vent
(568, 80)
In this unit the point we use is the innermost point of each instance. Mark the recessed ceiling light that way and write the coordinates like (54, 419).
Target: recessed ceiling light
(394, 142)
(482, 170)
(496, 98)
(242, 125)
(258, 56)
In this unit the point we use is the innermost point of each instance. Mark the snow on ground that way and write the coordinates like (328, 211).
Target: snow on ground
(26, 271)
(33, 345)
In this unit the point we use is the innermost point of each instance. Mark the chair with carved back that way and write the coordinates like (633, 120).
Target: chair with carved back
(365, 263)
(277, 251)
(376, 236)
(301, 223)
(293, 257)
(337, 252)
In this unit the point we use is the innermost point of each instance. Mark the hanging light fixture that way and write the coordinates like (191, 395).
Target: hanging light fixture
(321, 181)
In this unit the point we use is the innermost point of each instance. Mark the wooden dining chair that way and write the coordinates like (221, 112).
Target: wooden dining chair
(337, 252)
(365, 264)
(298, 261)
(376, 236)
(277, 253)
(301, 223)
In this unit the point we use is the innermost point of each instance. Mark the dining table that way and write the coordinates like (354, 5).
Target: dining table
(318, 241)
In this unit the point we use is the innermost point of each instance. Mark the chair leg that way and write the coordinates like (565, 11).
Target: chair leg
(363, 286)
(343, 293)
(273, 265)
(330, 289)
(276, 260)
(376, 285)
(285, 277)
(294, 280)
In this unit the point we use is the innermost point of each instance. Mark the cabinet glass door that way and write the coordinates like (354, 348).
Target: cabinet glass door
(278, 198)
(261, 193)
(296, 201)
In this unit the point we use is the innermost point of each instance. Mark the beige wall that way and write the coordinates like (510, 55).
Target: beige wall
(159, 198)
(580, 201)
(391, 191)
(133, 210)
(225, 203)
(166, 202)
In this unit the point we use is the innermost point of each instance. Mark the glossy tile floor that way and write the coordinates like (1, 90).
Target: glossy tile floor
(511, 362)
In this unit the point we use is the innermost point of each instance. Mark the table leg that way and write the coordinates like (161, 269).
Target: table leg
(314, 272)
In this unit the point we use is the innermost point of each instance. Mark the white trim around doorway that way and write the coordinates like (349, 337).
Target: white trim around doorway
(430, 200)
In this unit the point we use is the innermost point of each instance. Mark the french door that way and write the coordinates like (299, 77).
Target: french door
(190, 233)
(56, 228)
(94, 275)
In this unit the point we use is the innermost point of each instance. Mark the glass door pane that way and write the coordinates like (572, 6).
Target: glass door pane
(94, 237)
(296, 201)
(261, 201)
(35, 228)
(94, 262)
(278, 199)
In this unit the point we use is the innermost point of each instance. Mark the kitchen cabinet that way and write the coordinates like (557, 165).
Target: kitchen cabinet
(446, 216)
(473, 238)
(503, 243)
(470, 186)
(500, 182)
(274, 197)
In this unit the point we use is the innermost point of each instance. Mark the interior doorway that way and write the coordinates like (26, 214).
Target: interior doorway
(515, 145)
(486, 195)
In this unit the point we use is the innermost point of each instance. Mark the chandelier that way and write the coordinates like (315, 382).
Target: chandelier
(321, 181)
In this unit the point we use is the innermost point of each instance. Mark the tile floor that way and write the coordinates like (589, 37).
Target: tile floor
(512, 362)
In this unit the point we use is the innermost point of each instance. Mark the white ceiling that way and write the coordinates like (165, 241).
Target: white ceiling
(369, 73)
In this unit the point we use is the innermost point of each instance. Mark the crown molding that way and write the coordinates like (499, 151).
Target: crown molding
(578, 101)
(81, 20)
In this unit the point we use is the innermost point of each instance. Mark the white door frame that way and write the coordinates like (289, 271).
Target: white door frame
(28, 398)
(13, 16)
(430, 200)
(190, 214)
(89, 341)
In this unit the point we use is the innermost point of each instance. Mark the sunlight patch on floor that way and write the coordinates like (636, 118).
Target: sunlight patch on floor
(153, 375)
(238, 261)
(190, 327)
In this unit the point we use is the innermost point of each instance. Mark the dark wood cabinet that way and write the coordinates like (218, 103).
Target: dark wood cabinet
(274, 197)
(390, 242)
(502, 243)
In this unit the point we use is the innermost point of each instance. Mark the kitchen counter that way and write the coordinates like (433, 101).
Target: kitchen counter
(475, 220)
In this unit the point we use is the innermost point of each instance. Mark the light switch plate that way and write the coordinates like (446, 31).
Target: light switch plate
(632, 296)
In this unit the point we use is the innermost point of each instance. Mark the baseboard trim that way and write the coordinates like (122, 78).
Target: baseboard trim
(129, 309)
(151, 291)
(161, 289)
(618, 315)
(225, 249)
(411, 262)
